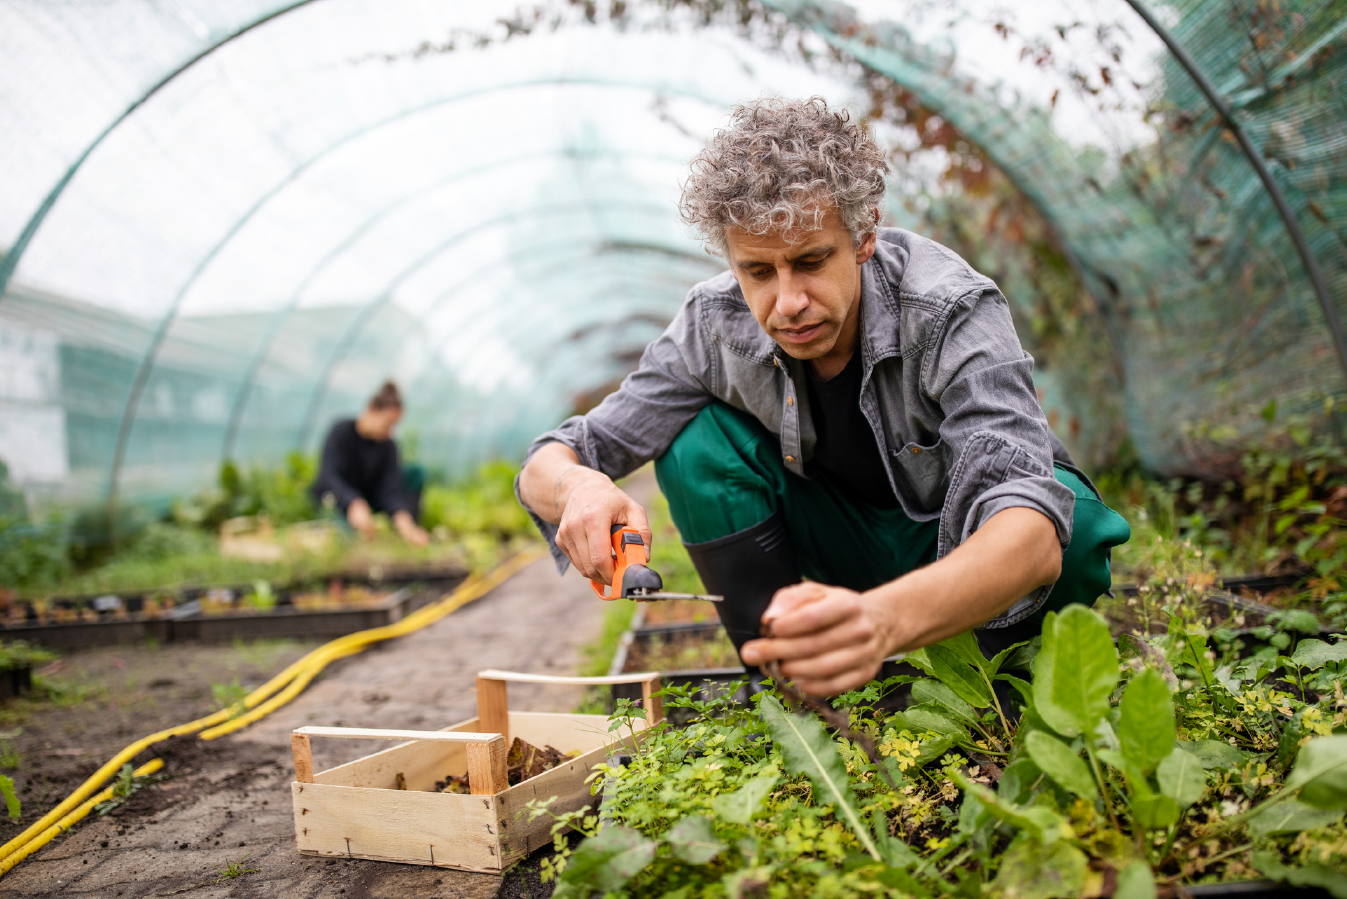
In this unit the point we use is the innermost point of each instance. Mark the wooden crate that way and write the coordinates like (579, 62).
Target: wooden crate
(357, 811)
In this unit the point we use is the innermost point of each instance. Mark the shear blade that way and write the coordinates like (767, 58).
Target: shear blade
(642, 596)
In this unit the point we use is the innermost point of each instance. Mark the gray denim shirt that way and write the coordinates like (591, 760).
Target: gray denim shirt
(945, 385)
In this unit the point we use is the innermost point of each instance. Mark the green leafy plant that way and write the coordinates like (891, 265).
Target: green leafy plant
(124, 786)
(230, 696)
(231, 869)
(12, 804)
(20, 654)
(1173, 761)
(261, 598)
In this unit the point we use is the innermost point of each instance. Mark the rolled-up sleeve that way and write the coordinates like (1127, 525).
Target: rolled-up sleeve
(995, 429)
(637, 422)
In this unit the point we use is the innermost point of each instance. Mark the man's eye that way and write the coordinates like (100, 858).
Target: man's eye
(760, 274)
(810, 265)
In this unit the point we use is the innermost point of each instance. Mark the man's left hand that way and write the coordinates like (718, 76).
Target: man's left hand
(828, 639)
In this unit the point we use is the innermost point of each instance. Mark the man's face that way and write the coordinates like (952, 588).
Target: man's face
(804, 289)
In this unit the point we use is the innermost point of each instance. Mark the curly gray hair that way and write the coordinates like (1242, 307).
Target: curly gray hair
(779, 167)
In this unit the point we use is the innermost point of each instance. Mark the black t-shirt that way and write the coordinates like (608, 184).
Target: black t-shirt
(354, 466)
(846, 447)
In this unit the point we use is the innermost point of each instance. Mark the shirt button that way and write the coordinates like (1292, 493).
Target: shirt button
(790, 401)
(916, 451)
(790, 458)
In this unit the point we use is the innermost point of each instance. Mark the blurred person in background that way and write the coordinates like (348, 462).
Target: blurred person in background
(360, 472)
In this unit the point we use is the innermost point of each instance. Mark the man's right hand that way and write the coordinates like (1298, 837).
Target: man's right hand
(584, 504)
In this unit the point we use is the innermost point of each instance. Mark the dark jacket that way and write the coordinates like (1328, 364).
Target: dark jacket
(355, 466)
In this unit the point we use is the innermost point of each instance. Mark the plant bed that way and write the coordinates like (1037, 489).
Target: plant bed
(1175, 769)
(220, 613)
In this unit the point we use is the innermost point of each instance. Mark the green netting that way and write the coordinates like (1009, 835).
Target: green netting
(224, 222)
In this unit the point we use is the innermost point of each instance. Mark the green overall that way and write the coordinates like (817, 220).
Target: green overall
(723, 474)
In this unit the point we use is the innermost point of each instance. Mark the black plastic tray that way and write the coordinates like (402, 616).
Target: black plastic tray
(186, 623)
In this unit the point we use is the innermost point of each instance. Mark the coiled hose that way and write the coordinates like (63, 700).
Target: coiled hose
(265, 699)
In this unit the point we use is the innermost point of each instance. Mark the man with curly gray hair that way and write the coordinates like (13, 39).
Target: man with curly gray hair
(848, 404)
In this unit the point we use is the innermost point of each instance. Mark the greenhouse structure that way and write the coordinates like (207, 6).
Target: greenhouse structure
(223, 225)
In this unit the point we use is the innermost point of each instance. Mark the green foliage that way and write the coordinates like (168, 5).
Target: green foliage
(1061, 763)
(20, 654)
(1283, 510)
(230, 696)
(33, 554)
(230, 869)
(260, 597)
(12, 803)
(1075, 671)
(1219, 774)
(13, 504)
(1146, 721)
(281, 493)
(807, 749)
(124, 785)
(482, 505)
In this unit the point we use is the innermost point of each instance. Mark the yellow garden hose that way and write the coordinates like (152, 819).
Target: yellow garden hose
(87, 806)
(265, 699)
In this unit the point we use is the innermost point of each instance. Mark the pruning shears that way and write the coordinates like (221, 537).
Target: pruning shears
(632, 578)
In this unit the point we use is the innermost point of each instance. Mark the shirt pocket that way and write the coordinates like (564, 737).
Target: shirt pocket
(922, 474)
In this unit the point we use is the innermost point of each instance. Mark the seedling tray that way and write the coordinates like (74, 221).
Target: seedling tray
(124, 622)
(357, 810)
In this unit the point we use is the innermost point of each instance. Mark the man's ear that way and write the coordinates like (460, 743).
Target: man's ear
(866, 249)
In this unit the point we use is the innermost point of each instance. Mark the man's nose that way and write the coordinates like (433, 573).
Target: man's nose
(791, 298)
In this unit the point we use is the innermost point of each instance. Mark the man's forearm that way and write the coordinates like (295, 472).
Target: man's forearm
(831, 639)
(583, 503)
(1013, 554)
(542, 483)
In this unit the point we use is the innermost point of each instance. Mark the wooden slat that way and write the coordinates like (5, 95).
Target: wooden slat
(486, 767)
(493, 706)
(442, 829)
(420, 763)
(515, 677)
(519, 835)
(373, 733)
(653, 705)
(299, 745)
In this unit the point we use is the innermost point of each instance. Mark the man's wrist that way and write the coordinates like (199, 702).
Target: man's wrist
(566, 483)
(901, 622)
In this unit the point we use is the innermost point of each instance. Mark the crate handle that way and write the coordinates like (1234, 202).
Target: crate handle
(493, 705)
(486, 751)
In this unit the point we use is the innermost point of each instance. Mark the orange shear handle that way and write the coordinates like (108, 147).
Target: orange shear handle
(628, 549)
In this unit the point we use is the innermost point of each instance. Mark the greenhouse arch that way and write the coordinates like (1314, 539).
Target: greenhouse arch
(1201, 290)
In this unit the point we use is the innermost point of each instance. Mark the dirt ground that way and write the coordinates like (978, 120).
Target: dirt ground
(228, 801)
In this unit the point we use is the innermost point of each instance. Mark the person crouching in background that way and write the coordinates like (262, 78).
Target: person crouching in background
(360, 473)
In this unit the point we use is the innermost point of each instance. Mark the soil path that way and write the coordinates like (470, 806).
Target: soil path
(230, 799)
